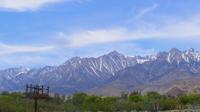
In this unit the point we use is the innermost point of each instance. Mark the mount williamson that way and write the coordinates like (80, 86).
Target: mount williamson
(173, 72)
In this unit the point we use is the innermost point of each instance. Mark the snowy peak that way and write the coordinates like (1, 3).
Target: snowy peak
(74, 60)
(174, 56)
(141, 60)
(13, 72)
(102, 66)
(177, 56)
(174, 51)
(191, 55)
(85, 73)
(114, 53)
(191, 50)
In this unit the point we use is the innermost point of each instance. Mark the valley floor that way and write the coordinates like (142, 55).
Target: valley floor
(81, 102)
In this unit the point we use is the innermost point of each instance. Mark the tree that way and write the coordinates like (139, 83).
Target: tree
(78, 98)
(135, 98)
(152, 101)
(92, 103)
(124, 95)
(168, 104)
(109, 104)
(183, 100)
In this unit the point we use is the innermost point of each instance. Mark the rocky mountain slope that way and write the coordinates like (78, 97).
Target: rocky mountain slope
(170, 69)
(76, 74)
(111, 74)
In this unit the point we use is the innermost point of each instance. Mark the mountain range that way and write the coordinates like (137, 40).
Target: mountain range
(111, 74)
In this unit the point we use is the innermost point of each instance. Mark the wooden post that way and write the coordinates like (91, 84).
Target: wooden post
(26, 88)
(48, 90)
(36, 105)
(42, 89)
(31, 88)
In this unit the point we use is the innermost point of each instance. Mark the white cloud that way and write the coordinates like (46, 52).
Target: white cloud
(88, 37)
(96, 36)
(146, 11)
(23, 5)
(9, 49)
(180, 29)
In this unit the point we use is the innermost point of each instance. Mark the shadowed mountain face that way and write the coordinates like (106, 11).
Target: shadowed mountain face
(110, 74)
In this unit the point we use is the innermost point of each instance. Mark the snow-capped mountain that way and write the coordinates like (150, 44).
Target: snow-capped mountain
(75, 74)
(83, 74)
(11, 73)
(177, 56)
(168, 69)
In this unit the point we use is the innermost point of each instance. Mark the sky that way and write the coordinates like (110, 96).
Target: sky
(35, 33)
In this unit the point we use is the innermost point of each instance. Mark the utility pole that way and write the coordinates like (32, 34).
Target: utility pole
(37, 92)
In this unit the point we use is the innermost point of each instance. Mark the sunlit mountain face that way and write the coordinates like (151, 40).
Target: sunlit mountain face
(111, 73)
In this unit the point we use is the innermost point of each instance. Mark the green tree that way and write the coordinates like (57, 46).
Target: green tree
(92, 103)
(152, 101)
(135, 98)
(78, 98)
(168, 104)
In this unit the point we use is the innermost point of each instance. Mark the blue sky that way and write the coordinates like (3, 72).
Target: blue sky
(35, 33)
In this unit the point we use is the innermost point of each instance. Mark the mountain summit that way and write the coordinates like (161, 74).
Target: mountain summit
(112, 71)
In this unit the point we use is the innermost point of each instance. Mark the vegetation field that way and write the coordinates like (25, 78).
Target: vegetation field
(81, 102)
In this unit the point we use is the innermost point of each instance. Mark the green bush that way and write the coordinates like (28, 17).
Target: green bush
(81, 102)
